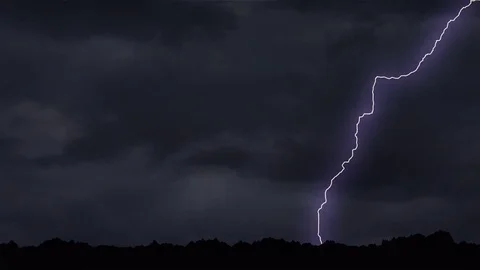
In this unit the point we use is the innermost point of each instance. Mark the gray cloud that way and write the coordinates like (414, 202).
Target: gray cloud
(370, 8)
(39, 131)
(145, 20)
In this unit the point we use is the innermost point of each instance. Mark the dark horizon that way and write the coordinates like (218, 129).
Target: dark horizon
(437, 250)
(441, 234)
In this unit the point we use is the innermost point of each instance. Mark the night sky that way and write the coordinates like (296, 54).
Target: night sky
(123, 121)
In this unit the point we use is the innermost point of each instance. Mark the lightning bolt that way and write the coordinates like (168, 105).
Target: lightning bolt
(372, 110)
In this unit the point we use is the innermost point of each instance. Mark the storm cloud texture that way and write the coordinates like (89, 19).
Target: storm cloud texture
(127, 121)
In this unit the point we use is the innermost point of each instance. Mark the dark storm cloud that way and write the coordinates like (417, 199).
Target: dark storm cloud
(145, 20)
(228, 157)
(99, 203)
(148, 140)
(368, 8)
(286, 159)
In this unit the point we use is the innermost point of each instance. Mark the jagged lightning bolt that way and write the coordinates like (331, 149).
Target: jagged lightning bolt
(372, 110)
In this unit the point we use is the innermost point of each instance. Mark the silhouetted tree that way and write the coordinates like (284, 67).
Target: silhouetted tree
(437, 251)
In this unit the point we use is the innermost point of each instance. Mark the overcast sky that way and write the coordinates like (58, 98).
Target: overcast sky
(127, 121)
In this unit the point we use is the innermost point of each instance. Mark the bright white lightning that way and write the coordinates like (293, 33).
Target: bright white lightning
(373, 110)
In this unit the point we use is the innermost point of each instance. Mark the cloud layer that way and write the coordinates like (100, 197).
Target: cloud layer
(176, 121)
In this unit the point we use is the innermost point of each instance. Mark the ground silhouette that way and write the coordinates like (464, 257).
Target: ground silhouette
(436, 251)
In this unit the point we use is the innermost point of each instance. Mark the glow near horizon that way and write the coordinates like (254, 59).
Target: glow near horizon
(372, 110)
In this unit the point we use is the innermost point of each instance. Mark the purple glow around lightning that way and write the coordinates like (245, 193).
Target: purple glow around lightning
(373, 110)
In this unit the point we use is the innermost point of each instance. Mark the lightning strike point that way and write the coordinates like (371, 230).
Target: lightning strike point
(372, 110)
